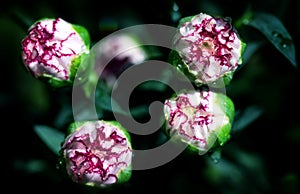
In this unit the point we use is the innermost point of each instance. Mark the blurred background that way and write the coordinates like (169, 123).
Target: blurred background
(262, 155)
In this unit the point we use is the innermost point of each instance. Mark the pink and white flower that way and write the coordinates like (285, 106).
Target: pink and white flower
(202, 119)
(210, 48)
(116, 53)
(98, 153)
(53, 49)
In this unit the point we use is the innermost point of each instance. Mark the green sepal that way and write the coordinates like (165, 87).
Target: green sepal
(84, 34)
(75, 126)
(184, 20)
(227, 106)
(244, 46)
(125, 175)
(55, 82)
(176, 60)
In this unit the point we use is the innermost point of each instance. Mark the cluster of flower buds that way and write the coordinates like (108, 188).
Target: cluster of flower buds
(53, 50)
(97, 153)
(207, 49)
(202, 119)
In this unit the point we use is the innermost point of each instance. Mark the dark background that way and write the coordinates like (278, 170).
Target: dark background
(261, 158)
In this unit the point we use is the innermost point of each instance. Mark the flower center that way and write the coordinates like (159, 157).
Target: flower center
(207, 48)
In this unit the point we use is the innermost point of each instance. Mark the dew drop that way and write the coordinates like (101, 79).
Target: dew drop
(215, 160)
(246, 21)
(59, 165)
(179, 66)
(285, 42)
(175, 7)
(275, 34)
(283, 45)
(216, 156)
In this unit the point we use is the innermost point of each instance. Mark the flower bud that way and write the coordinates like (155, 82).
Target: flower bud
(207, 49)
(53, 49)
(98, 153)
(116, 53)
(202, 119)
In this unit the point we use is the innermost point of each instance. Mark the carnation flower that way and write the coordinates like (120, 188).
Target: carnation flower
(202, 119)
(116, 53)
(53, 49)
(207, 48)
(98, 153)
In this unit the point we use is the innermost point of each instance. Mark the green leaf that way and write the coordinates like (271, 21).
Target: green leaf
(104, 100)
(50, 136)
(117, 108)
(31, 166)
(139, 111)
(273, 29)
(252, 47)
(246, 117)
(153, 85)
